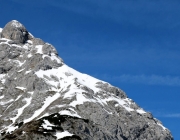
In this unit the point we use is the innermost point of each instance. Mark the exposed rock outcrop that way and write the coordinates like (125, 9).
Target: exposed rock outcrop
(16, 32)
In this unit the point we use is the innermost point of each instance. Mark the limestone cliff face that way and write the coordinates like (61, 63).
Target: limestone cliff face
(43, 98)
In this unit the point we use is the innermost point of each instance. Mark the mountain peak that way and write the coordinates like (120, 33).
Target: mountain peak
(43, 98)
(16, 32)
(16, 24)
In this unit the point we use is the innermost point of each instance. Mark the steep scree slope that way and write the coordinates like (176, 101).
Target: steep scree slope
(43, 98)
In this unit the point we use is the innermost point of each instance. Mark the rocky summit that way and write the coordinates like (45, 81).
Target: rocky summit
(41, 98)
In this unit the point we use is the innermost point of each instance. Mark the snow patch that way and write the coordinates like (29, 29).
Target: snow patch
(1, 30)
(39, 49)
(80, 99)
(60, 135)
(16, 24)
(11, 128)
(61, 73)
(27, 72)
(140, 111)
(47, 125)
(29, 41)
(31, 92)
(21, 88)
(29, 55)
(67, 76)
(2, 78)
(67, 112)
(31, 35)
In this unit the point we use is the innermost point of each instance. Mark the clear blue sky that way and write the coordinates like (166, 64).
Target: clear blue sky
(132, 44)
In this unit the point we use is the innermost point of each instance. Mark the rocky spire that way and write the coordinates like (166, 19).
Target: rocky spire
(15, 31)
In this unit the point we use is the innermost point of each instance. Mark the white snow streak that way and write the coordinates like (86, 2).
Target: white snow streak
(21, 70)
(164, 128)
(3, 103)
(27, 72)
(47, 102)
(140, 111)
(21, 88)
(18, 97)
(1, 97)
(2, 79)
(20, 110)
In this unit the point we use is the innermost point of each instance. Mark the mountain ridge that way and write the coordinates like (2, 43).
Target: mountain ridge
(42, 97)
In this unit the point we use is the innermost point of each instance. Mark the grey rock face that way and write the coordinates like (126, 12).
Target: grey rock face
(15, 31)
(42, 98)
(38, 41)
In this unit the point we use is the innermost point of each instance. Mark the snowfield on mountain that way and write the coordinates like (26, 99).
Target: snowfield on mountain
(43, 98)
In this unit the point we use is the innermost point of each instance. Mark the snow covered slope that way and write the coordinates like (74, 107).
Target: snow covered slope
(43, 98)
